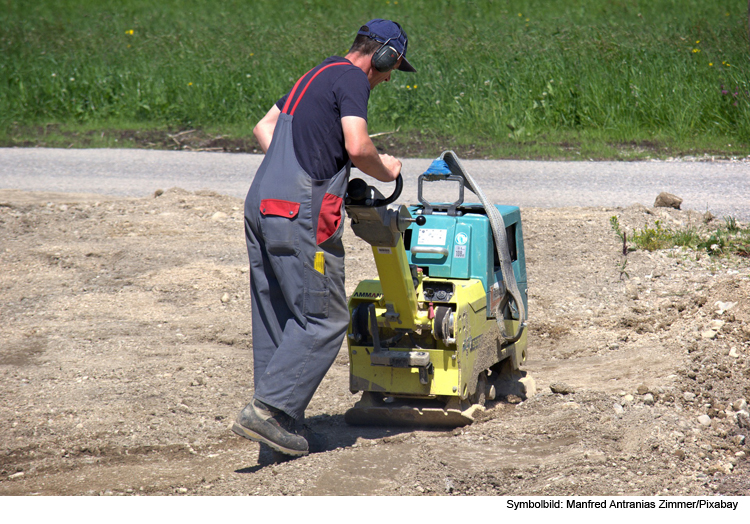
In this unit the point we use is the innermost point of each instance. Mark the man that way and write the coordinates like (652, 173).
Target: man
(293, 227)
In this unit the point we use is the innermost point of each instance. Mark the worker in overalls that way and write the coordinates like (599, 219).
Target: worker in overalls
(293, 226)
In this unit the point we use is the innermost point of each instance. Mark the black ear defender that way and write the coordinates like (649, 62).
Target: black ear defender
(385, 58)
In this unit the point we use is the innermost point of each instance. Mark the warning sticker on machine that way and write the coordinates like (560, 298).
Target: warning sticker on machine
(459, 250)
(432, 237)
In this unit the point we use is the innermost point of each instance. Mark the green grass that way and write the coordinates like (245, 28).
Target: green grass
(727, 239)
(549, 79)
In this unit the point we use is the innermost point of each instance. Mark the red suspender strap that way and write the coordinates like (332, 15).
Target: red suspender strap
(291, 94)
(294, 89)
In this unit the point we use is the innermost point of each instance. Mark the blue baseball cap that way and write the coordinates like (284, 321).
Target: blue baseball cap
(387, 31)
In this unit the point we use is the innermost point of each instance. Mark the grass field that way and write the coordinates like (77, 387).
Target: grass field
(513, 78)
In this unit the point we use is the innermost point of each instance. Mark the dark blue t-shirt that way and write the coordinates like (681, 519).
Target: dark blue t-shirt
(338, 91)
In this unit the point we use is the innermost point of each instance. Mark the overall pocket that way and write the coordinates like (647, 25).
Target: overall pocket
(317, 293)
(279, 226)
(330, 219)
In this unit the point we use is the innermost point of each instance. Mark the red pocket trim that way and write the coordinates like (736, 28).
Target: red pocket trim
(330, 217)
(279, 208)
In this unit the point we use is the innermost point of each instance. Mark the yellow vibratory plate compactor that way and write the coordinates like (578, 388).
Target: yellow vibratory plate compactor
(442, 329)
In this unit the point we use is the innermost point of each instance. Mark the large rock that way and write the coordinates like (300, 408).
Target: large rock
(668, 200)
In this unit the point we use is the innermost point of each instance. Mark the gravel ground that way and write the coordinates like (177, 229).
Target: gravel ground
(127, 347)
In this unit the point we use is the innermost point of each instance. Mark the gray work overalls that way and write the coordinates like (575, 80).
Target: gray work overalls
(299, 314)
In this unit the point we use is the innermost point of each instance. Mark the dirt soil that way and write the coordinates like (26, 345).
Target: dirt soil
(126, 351)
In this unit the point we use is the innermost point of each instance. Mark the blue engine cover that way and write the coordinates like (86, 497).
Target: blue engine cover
(462, 246)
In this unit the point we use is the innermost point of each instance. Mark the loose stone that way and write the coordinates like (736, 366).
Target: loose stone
(665, 199)
(561, 388)
(724, 306)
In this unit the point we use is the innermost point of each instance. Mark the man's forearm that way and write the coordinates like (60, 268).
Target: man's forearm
(374, 164)
(263, 131)
(263, 137)
(363, 153)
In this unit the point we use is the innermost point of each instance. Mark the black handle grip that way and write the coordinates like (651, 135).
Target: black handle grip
(379, 202)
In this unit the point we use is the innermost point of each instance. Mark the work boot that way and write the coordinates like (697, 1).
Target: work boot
(262, 423)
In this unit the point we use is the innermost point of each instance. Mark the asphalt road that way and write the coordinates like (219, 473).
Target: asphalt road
(720, 187)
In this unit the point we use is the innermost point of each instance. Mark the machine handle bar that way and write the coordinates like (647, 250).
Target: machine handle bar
(379, 202)
(430, 250)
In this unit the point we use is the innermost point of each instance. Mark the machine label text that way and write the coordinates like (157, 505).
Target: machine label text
(432, 237)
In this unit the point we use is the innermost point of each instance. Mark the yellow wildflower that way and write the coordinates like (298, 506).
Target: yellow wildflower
(129, 32)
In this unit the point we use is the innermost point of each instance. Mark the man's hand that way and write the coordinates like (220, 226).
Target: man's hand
(392, 164)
